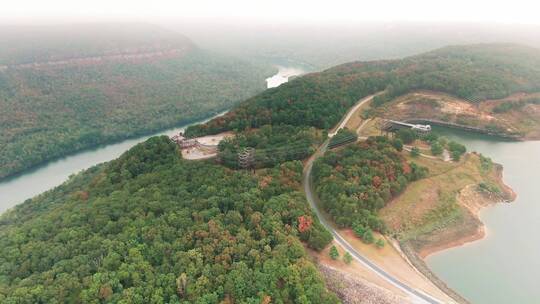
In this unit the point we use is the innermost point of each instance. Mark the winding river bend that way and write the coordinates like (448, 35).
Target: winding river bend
(504, 267)
(31, 183)
(283, 75)
(17, 189)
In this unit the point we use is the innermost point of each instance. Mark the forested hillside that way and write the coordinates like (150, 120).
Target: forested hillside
(150, 227)
(473, 72)
(136, 80)
(355, 182)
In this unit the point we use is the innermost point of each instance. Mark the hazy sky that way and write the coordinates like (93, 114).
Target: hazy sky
(268, 11)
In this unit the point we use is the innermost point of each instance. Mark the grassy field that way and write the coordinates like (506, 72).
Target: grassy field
(437, 209)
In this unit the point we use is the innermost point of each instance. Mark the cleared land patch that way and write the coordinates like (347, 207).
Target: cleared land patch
(516, 114)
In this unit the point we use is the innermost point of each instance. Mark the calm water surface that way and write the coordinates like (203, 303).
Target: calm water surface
(283, 75)
(31, 183)
(505, 266)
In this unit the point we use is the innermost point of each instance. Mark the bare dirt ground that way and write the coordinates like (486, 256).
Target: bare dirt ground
(354, 290)
(389, 258)
(209, 150)
(354, 269)
(434, 105)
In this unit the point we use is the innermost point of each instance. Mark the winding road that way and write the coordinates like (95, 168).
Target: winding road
(417, 296)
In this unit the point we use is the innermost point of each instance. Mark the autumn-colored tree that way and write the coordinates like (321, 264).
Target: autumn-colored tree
(377, 181)
(304, 223)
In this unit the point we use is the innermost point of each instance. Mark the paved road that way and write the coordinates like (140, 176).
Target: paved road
(416, 295)
(351, 112)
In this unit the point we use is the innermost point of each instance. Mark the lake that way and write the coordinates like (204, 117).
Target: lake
(504, 267)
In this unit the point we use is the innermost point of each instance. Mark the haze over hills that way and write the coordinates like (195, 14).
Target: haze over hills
(31, 44)
(320, 46)
(63, 89)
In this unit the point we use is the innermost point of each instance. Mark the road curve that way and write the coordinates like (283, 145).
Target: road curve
(349, 114)
(416, 295)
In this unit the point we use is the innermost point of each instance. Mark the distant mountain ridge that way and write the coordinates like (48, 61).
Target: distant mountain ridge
(32, 44)
(151, 55)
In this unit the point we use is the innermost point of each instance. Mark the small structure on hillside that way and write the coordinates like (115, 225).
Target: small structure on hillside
(393, 125)
(246, 158)
(184, 143)
(199, 148)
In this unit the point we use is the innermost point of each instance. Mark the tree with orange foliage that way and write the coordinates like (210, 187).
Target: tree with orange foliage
(304, 223)
(377, 181)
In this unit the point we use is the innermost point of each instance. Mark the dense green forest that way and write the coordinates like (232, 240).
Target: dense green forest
(473, 72)
(51, 111)
(356, 181)
(273, 145)
(150, 227)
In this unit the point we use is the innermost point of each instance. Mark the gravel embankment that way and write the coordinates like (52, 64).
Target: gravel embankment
(353, 290)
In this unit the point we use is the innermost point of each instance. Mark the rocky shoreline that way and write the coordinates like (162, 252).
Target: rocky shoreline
(473, 202)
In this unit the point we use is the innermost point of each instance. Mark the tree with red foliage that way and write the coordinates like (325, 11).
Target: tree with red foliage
(304, 223)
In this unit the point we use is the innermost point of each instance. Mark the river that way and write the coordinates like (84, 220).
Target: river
(30, 183)
(33, 182)
(283, 75)
(504, 267)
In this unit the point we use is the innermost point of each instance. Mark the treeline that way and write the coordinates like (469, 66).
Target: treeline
(355, 182)
(48, 113)
(515, 105)
(272, 145)
(474, 72)
(152, 228)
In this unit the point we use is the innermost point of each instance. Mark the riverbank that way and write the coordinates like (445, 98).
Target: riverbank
(17, 188)
(510, 245)
(474, 201)
(451, 218)
(37, 178)
(108, 141)
(441, 211)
